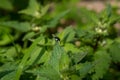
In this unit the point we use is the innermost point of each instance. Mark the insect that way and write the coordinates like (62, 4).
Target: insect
(57, 39)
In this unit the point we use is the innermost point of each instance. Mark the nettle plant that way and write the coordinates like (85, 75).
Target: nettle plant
(82, 52)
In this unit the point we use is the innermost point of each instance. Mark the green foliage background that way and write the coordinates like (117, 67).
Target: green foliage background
(89, 46)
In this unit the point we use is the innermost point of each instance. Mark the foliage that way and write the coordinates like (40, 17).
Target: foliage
(88, 49)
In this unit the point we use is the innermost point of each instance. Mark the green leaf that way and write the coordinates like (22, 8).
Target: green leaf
(9, 76)
(64, 61)
(6, 4)
(52, 67)
(4, 39)
(55, 57)
(44, 10)
(109, 10)
(28, 36)
(56, 19)
(46, 72)
(37, 54)
(77, 53)
(75, 77)
(41, 78)
(86, 35)
(114, 50)
(7, 68)
(79, 56)
(102, 62)
(49, 72)
(84, 68)
(10, 54)
(91, 16)
(67, 34)
(32, 9)
(114, 19)
(20, 26)
(29, 51)
(45, 57)
(70, 47)
(81, 32)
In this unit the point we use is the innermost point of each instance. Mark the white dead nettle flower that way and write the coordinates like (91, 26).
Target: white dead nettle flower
(101, 30)
(98, 30)
(37, 14)
(61, 76)
(103, 42)
(104, 31)
(36, 28)
(77, 43)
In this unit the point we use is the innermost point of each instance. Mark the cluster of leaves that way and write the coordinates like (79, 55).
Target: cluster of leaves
(89, 49)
